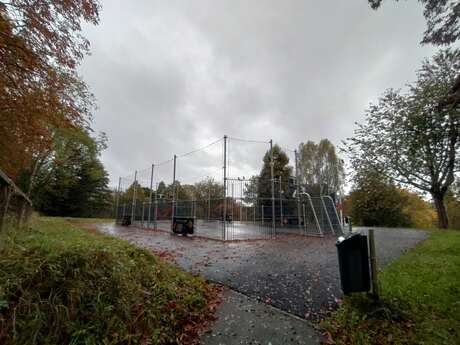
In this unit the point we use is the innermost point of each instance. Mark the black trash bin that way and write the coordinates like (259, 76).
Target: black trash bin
(183, 225)
(126, 221)
(354, 263)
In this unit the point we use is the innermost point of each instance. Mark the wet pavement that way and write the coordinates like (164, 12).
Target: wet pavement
(244, 320)
(296, 274)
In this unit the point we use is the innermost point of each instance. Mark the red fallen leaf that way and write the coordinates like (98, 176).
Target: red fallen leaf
(171, 305)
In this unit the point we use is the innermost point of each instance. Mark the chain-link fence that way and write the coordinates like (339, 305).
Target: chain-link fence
(230, 189)
(15, 206)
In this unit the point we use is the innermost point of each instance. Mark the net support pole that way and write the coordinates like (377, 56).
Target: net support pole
(297, 182)
(240, 186)
(150, 197)
(272, 173)
(209, 203)
(224, 230)
(173, 205)
(133, 206)
(155, 205)
(281, 203)
(117, 203)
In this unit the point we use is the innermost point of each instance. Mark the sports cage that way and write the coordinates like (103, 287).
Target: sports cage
(223, 188)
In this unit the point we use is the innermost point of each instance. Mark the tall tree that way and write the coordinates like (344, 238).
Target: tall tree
(40, 47)
(321, 170)
(409, 138)
(280, 168)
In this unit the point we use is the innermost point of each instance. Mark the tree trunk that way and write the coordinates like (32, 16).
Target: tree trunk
(443, 220)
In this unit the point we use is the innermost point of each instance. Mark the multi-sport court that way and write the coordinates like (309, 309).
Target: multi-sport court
(219, 188)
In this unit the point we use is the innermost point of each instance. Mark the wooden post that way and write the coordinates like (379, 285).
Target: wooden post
(8, 192)
(374, 270)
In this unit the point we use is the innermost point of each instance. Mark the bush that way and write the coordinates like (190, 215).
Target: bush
(63, 285)
(375, 201)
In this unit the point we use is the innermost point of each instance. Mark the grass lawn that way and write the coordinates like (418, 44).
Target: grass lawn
(420, 300)
(60, 284)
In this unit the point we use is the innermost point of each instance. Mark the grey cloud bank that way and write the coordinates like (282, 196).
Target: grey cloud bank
(173, 75)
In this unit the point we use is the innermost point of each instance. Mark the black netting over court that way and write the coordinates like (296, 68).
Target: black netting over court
(229, 189)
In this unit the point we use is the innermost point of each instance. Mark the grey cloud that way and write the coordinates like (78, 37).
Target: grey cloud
(171, 76)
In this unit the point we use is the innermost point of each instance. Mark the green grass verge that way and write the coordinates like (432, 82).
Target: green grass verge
(420, 300)
(60, 284)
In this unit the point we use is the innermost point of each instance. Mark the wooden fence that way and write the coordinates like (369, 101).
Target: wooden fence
(15, 206)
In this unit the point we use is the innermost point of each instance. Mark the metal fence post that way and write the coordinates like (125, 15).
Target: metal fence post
(281, 203)
(133, 208)
(272, 167)
(224, 230)
(194, 209)
(297, 182)
(155, 205)
(150, 197)
(209, 202)
(173, 206)
(117, 203)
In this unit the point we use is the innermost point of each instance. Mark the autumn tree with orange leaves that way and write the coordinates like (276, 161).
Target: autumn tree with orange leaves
(40, 47)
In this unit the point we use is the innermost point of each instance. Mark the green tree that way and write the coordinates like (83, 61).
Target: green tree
(281, 169)
(208, 188)
(321, 170)
(72, 181)
(376, 201)
(409, 138)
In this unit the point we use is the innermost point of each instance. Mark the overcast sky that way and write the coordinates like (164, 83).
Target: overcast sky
(170, 76)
